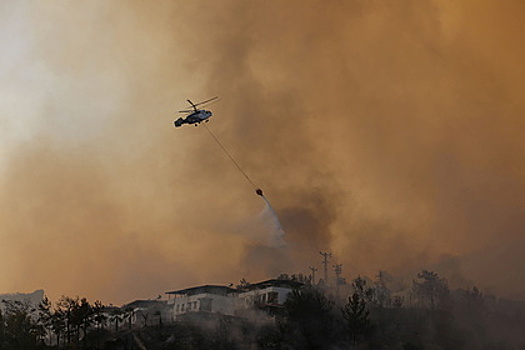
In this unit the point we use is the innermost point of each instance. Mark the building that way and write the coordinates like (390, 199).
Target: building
(141, 313)
(207, 298)
(32, 300)
(268, 295)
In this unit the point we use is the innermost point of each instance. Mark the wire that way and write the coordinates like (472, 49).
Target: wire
(231, 158)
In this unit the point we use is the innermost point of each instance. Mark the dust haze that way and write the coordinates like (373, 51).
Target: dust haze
(389, 134)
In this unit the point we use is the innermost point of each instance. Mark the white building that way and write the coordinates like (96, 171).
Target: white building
(268, 295)
(141, 313)
(207, 298)
(30, 299)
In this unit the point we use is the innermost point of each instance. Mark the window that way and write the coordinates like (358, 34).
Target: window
(273, 298)
(206, 304)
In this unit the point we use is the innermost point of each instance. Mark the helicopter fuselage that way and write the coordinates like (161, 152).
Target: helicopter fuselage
(194, 118)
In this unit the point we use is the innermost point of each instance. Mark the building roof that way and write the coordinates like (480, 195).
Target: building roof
(144, 304)
(206, 289)
(225, 290)
(275, 283)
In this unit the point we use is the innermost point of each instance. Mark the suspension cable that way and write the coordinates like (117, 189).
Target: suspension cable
(230, 156)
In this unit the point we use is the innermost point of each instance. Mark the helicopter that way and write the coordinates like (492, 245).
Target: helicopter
(195, 116)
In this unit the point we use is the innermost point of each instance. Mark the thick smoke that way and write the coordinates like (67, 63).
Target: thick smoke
(388, 134)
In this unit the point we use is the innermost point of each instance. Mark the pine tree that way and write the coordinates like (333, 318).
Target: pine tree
(357, 317)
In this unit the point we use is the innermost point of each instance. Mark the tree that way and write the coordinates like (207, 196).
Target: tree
(2, 329)
(117, 316)
(128, 314)
(99, 317)
(357, 317)
(294, 277)
(431, 290)
(77, 316)
(243, 284)
(82, 318)
(473, 299)
(360, 288)
(310, 315)
(222, 337)
(381, 291)
(58, 323)
(64, 312)
(45, 316)
(20, 332)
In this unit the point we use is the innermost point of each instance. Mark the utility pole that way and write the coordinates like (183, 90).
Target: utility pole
(313, 269)
(381, 277)
(338, 271)
(326, 256)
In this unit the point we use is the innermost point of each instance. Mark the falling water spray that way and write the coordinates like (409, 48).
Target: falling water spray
(277, 232)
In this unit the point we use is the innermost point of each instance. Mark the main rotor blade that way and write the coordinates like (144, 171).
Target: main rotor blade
(193, 105)
(203, 102)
